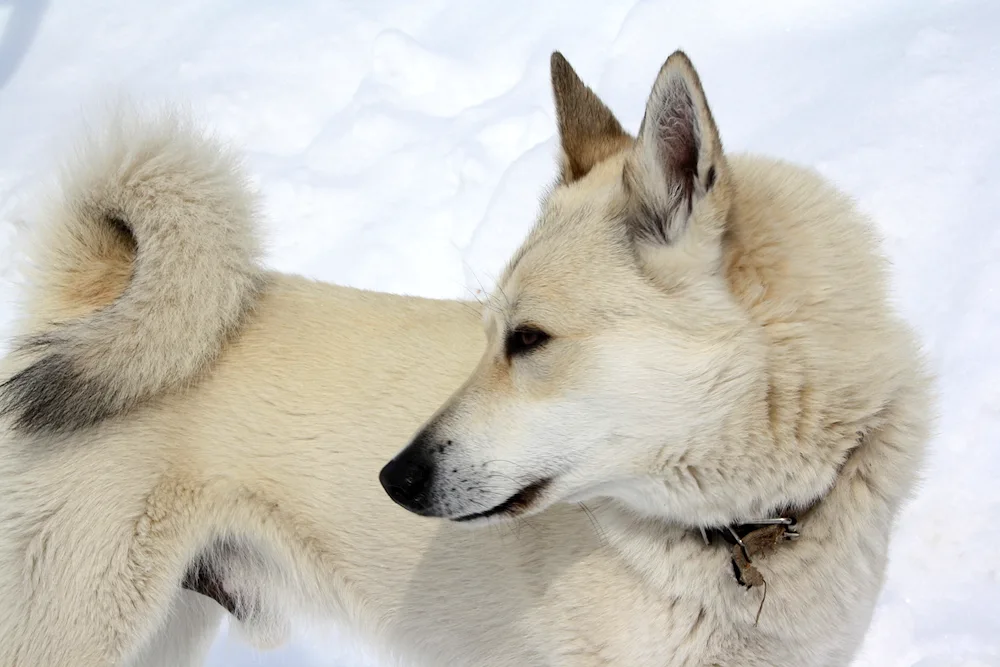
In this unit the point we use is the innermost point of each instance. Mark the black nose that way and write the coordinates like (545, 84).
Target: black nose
(408, 479)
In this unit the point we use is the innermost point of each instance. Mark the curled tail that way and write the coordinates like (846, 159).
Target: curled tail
(147, 263)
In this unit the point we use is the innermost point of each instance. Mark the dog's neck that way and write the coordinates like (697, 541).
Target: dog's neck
(758, 538)
(748, 540)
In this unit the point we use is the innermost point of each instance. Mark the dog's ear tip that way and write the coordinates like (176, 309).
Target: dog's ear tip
(678, 67)
(679, 56)
(563, 75)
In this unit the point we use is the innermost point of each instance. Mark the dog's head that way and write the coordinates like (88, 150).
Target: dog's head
(618, 362)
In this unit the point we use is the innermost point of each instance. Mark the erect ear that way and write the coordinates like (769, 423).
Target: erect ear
(589, 132)
(678, 159)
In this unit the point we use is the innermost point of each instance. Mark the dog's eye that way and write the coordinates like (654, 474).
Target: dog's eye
(524, 339)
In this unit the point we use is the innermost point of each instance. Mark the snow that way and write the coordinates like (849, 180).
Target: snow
(403, 146)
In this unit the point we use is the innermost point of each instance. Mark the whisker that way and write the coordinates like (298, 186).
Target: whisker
(601, 535)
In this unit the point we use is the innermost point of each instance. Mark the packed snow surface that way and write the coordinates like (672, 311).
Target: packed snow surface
(403, 146)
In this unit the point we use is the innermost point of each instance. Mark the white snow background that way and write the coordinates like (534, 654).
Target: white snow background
(403, 146)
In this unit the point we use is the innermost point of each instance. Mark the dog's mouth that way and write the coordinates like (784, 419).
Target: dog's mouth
(516, 504)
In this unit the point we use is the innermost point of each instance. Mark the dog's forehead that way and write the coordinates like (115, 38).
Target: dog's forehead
(574, 249)
(575, 219)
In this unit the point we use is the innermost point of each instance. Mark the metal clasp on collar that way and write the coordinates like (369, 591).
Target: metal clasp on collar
(790, 532)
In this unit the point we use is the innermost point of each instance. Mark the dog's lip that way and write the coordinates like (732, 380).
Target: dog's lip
(516, 504)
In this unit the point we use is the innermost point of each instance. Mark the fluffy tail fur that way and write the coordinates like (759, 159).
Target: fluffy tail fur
(148, 261)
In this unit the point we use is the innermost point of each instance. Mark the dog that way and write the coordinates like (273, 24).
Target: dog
(679, 432)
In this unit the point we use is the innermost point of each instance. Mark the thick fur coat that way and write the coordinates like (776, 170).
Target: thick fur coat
(687, 341)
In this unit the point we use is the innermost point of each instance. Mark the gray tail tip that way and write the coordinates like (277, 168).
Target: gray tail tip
(50, 396)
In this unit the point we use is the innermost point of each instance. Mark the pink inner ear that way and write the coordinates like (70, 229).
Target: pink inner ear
(671, 139)
(677, 137)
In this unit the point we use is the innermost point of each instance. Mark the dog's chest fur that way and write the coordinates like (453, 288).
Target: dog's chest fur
(658, 595)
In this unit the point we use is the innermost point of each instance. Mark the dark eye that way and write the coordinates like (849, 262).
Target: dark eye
(525, 339)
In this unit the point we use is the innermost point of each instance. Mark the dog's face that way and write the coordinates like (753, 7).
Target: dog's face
(617, 360)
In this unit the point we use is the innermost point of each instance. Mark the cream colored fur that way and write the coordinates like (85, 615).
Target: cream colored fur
(705, 365)
(155, 205)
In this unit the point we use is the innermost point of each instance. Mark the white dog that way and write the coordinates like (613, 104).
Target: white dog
(689, 363)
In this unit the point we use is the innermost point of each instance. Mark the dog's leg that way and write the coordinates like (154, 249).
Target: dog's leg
(183, 641)
(73, 626)
(111, 598)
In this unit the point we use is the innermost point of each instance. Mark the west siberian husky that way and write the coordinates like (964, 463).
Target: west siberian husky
(690, 363)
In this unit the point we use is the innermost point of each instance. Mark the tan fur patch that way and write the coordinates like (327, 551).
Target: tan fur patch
(99, 278)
